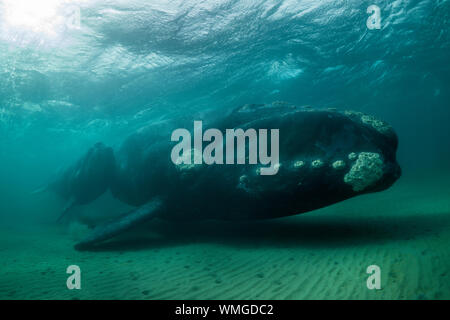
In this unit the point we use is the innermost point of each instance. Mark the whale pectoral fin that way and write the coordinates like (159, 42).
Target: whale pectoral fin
(126, 222)
(66, 210)
(41, 189)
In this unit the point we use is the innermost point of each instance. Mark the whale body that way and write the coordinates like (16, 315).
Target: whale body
(325, 156)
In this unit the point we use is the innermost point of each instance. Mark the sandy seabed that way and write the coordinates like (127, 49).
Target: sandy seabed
(319, 255)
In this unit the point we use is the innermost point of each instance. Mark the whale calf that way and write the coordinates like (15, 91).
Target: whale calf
(325, 156)
(87, 179)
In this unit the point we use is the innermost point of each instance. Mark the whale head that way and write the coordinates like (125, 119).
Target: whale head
(326, 156)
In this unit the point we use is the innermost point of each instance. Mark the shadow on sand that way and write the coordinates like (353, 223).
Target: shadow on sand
(301, 231)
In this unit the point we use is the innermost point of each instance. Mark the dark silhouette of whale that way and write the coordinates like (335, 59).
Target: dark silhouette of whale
(325, 156)
(86, 180)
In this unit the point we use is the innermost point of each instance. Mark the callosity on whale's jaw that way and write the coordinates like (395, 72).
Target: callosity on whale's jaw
(325, 156)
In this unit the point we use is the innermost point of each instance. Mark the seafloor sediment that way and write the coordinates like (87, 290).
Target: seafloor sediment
(318, 255)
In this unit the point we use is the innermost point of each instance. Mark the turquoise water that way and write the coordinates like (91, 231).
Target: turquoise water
(73, 74)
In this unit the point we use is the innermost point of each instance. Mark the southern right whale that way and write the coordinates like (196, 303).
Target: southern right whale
(325, 156)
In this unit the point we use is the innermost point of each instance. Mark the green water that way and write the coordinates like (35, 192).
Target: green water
(65, 86)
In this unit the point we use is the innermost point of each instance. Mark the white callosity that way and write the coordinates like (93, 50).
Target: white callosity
(317, 164)
(352, 156)
(299, 164)
(381, 126)
(243, 182)
(366, 171)
(378, 125)
(339, 164)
